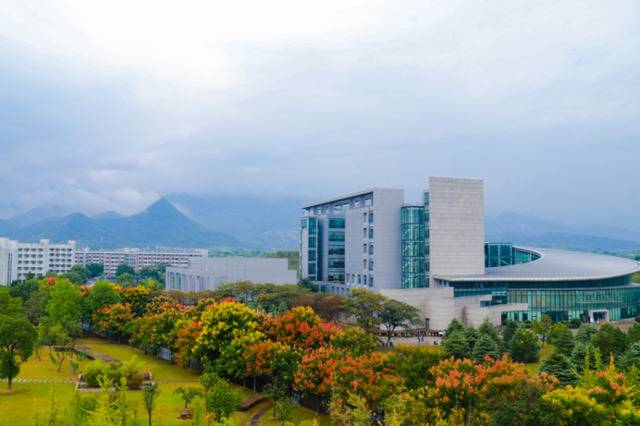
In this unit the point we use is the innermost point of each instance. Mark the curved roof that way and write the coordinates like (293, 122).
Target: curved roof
(557, 265)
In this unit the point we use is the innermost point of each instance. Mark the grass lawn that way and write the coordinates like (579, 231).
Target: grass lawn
(27, 400)
(545, 351)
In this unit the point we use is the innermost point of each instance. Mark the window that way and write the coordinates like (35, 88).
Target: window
(359, 279)
(364, 280)
(371, 249)
(370, 232)
(370, 281)
(371, 265)
(364, 264)
(364, 217)
(364, 232)
(364, 248)
(370, 217)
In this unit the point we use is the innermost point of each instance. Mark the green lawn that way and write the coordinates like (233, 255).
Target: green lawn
(545, 351)
(29, 400)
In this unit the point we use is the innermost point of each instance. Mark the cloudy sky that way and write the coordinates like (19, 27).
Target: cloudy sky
(106, 105)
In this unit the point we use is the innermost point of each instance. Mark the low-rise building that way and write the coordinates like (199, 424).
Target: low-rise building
(209, 273)
(21, 260)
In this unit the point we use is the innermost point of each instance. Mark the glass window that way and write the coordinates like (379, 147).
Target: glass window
(364, 217)
(364, 248)
(371, 249)
(371, 265)
(364, 232)
(370, 232)
(364, 263)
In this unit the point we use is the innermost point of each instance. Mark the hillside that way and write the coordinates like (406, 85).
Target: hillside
(160, 224)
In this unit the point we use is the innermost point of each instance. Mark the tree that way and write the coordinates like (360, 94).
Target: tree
(188, 394)
(610, 340)
(632, 356)
(365, 306)
(314, 374)
(394, 314)
(509, 331)
(583, 355)
(137, 297)
(454, 326)
(94, 270)
(125, 279)
(55, 337)
(300, 327)
(101, 294)
(525, 346)
(222, 399)
(456, 345)
(9, 305)
(586, 332)
(17, 338)
(560, 366)
(115, 319)
(543, 327)
(633, 334)
(414, 363)
(77, 274)
(65, 307)
(275, 360)
(489, 330)
(355, 341)
(563, 340)
(123, 268)
(24, 289)
(485, 346)
(150, 393)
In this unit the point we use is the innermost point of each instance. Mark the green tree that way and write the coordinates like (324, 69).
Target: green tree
(586, 332)
(125, 279)
(560, 366)
(633, 334)
(456, 345)
(355, 341)
(150, 393)
(413, 364)
(77, 274)
(55, 337)
(9, 305)
(454, 326)
(24, 289)
(188, 394)
(222, 399)
(472, 336)
(123, 268)
(365, 306)
(631, 356)
(17, 339)
(102, 294)
(543, 327)
(508, 332)
(610, 340)
(394, 314)
(563, 340)
(65, 307)
(584, 354)
(484, 346)
(94, 270)
(488, 329)
(525, 346)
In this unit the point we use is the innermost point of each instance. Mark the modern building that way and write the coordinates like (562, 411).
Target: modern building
(433, 256)
(209, 273)
(138, 258)
(21, 260)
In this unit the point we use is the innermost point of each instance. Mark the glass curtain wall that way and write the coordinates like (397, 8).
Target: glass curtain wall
(413, 247)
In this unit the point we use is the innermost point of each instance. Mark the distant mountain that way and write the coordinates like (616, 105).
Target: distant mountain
(269, 223)
(527, 230)
(32, 216)
(161, 224)
(108, 215)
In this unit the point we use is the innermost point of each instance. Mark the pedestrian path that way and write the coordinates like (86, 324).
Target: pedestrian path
(24, 380)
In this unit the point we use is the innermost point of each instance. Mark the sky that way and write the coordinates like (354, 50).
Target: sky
(109, 105)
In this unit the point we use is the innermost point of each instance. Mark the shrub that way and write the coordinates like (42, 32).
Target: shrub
(96, 369)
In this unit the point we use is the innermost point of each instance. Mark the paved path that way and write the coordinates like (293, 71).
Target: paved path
(255, 420)
(22, 380)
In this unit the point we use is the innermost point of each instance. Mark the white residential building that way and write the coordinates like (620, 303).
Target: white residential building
(20, 260)
(138, 258)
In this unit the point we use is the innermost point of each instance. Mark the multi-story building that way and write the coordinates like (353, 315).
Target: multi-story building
(209, 273)
(433, 256)
(138, 258)
(21, 260)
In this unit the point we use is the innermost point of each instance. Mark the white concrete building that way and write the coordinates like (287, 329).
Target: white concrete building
(20, 260)
(139, 258)
(209, 273)
(433, 256)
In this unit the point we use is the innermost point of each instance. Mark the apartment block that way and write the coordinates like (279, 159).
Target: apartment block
(21, 260)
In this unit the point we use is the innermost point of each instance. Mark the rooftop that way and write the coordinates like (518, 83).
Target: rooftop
(557, 265)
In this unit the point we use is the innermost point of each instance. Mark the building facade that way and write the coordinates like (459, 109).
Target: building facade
(208, 273)
(433, 255)
(138, 258)
(21, 260)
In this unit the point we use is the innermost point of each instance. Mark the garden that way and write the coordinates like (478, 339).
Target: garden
(262, 354)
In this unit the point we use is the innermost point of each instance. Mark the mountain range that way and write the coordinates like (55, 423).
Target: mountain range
(265, 223)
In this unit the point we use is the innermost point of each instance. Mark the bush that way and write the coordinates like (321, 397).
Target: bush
(575, 323)
(96, 369)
